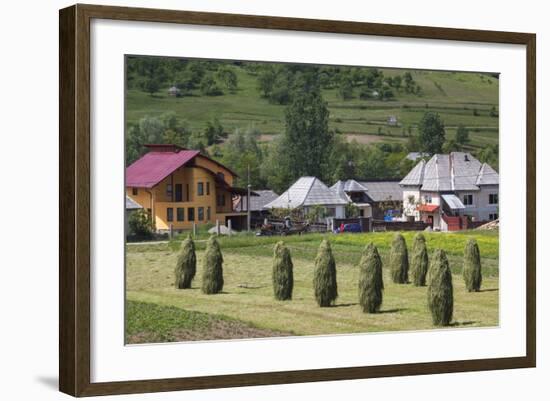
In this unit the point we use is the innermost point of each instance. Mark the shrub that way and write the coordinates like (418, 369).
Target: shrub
(399, 260)
(472, 266)
(139, 223)
(371, 284)
(186, 265)
(212, 275)
(283, 280)
(324, 276)
(440, 289)
(419, 261)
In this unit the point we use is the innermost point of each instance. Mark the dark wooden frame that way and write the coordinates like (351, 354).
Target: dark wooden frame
(74, 202)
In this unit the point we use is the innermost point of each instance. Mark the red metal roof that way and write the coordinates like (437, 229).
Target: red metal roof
(155, 166)
(428, 208)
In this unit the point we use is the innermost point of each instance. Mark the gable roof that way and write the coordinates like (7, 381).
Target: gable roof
(380, 191)
(153, 167)
(487, 176)
(257, 203)
(307, 191)
(132, 204)
(457, 171)
(343, 187)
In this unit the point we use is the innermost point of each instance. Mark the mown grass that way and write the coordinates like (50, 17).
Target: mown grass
(453, 95)
(152, 323)
(248, 297)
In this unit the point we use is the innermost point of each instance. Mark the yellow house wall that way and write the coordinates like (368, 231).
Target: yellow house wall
(191, 176)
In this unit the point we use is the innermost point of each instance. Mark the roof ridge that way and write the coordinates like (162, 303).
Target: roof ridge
(309, 189)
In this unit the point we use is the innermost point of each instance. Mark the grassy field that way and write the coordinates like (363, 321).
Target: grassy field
(453, 95)
(157, 312)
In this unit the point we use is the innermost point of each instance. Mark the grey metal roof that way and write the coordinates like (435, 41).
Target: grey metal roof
(132, 204)
(257, 203)
(343, 187)
(307, 191)
(457, 171)
(487, 176)
(416, 155)
(380, 191)
(415, 176)
(453, 201)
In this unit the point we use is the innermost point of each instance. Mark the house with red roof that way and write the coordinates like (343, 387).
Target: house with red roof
(179, 187)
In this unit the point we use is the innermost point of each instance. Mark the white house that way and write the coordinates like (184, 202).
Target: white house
(307, 192)
(449, 189)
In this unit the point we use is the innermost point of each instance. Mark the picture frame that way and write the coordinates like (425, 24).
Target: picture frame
(75, 208)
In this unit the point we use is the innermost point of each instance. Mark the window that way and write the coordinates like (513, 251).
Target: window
(221, 176)
(208, 214)
(201, 213)
(493, 199)
(180, 213)
(208, 188)
(468, 200)
(134, 191)
(169, 191)
(187, 192)
(428, 199)
(200, 188)
(191, 214)
(330, 211)
(221, 200)
(179, 193)
(170, 214)
(493, 216)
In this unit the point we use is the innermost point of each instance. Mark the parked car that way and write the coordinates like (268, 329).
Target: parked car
(349, 228)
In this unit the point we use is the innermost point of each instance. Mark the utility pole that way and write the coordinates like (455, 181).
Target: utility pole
(248, 200)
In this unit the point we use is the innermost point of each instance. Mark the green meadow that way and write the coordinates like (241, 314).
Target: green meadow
(158, 312)
(460, 98)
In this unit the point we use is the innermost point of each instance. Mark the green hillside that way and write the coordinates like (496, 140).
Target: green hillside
(459, 98)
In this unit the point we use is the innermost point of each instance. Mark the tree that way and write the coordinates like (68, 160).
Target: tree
(266, 80)
(371, 284)
(228, 78)
(209, 86)
(213, 131)
(346, 88)
(282, 276)
(399, 260)
(431, 133)
(140, 224)
(186, 265)
(472, 266)
(440, 289)
(419, 261)
(212, 275)
(352, 210)
(306, 133)
(324, 276)
(462, 135)
(150, 85)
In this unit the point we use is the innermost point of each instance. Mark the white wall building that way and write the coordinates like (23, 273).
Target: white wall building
(448, 187)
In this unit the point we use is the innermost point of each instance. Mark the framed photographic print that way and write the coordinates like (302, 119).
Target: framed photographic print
(250, 200)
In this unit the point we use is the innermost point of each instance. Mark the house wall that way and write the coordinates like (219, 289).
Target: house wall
(409, 209)
(204, 207)
(481, 207)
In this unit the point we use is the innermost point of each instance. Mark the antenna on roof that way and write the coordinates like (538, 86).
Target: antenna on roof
(466, 159)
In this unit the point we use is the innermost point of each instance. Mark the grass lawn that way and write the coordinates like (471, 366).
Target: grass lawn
(157, 312)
